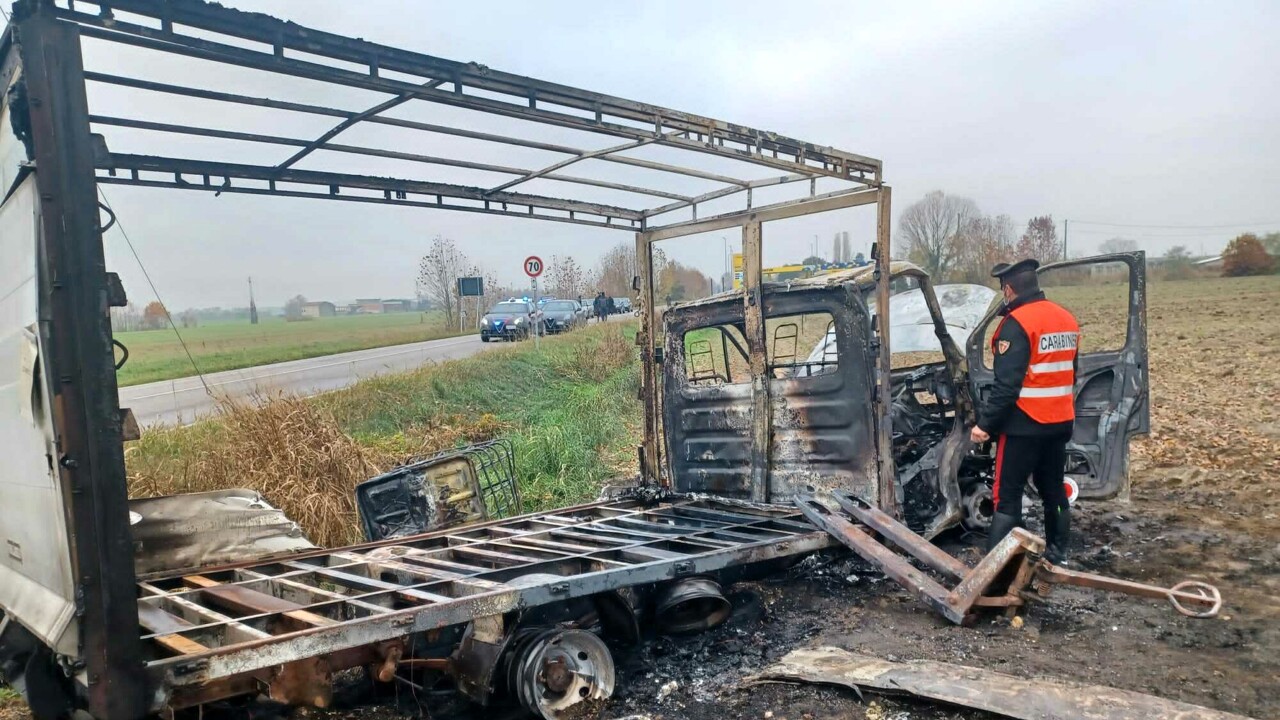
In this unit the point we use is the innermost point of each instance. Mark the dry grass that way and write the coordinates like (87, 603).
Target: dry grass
(570, 408)
(289, 450)
(12, 706)
(292, 451)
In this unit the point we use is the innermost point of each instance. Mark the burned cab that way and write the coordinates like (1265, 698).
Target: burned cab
(823, 367)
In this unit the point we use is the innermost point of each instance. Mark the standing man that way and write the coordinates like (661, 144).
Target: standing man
(599, 306)
(1031, 409)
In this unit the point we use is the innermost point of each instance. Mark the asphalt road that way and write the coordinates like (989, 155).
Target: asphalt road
(183, 401)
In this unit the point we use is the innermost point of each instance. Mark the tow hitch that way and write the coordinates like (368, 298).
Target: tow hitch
(1008, 577)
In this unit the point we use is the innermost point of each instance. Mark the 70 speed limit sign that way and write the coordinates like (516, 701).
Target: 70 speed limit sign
(533, 266)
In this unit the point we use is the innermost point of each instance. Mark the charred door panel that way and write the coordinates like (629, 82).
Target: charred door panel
(1108, 296)
(822, 424)
(707, 414)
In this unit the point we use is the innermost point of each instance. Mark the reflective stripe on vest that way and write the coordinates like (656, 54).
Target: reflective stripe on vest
(1048, 388)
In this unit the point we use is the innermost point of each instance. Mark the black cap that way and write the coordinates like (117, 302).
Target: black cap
(1003, 269)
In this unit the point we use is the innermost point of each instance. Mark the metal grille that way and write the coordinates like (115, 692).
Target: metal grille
(469, 484)
(227, 622)
(495, 467)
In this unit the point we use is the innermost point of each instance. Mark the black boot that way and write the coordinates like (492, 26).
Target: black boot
(1057, 531)
(1001, 524)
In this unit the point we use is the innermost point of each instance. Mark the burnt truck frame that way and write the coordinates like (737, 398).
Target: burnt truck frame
(823, 428)
(83, 628)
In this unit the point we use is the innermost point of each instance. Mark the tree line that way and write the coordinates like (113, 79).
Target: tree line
(564, 277)
(951, 239)
(954, 241)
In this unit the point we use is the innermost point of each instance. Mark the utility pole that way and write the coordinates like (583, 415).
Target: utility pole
(253, 309)
(727, 265)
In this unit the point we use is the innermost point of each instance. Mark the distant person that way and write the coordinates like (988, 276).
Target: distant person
(600, 306)
(1031, 409)
(611, 308)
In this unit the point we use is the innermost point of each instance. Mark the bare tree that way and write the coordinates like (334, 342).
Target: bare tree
(985, 241)
(1177, 264)
(931, 231)
(1117, 245)
(614, 271)
(1040, 241)
(126, 319)
(565, 277)
(293, 308)
(438, 273)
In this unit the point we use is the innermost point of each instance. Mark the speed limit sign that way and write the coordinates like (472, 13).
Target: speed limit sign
(533, 266)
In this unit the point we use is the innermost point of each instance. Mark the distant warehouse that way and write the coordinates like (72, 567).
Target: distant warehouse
(318, 309)
(378, 306)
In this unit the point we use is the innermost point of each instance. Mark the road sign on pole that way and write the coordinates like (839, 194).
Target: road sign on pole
(533, 266)
(537, 326)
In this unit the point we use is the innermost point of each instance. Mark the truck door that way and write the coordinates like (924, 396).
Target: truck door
(821, 429)
(1108, 296)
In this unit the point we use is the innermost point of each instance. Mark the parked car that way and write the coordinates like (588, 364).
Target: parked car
(509, 320)
(560, 315)
(623, 305)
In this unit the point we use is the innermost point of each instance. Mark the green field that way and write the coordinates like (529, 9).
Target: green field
(157, 354)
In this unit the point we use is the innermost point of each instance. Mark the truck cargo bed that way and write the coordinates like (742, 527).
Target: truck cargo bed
(226, 631)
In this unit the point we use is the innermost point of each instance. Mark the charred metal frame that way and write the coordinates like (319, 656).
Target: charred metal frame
(216, 632)
(751, 225)
(69, 147)
(1010, 574)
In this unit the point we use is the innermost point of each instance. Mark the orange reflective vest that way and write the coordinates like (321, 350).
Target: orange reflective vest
(1048, 388)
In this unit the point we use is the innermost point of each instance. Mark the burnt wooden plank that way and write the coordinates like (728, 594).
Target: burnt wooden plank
(249, 601)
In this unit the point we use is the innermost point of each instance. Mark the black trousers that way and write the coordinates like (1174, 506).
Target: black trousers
(1042, 458)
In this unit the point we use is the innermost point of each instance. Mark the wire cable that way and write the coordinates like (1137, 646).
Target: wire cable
(119, 225)
(1176, 227)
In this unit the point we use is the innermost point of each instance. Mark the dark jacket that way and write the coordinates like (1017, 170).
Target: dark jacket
(1000, 413)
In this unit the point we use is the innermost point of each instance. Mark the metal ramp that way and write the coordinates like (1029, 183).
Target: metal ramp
(1010, 575)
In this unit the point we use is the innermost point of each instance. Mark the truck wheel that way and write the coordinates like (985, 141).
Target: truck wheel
(484, 338)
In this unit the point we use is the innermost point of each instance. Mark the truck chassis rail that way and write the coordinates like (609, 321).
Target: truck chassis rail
(287, 623)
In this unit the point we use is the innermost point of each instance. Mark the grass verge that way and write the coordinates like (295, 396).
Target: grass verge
(570, 408)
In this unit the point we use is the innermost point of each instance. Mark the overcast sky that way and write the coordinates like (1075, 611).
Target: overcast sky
(1152, 114)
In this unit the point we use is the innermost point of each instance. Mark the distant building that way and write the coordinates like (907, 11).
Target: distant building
(396, 306)
(367, 306)
(319, 309)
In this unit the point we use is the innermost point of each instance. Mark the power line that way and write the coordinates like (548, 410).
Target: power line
(154, 291)
(1178, 227)
(1154, 236)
